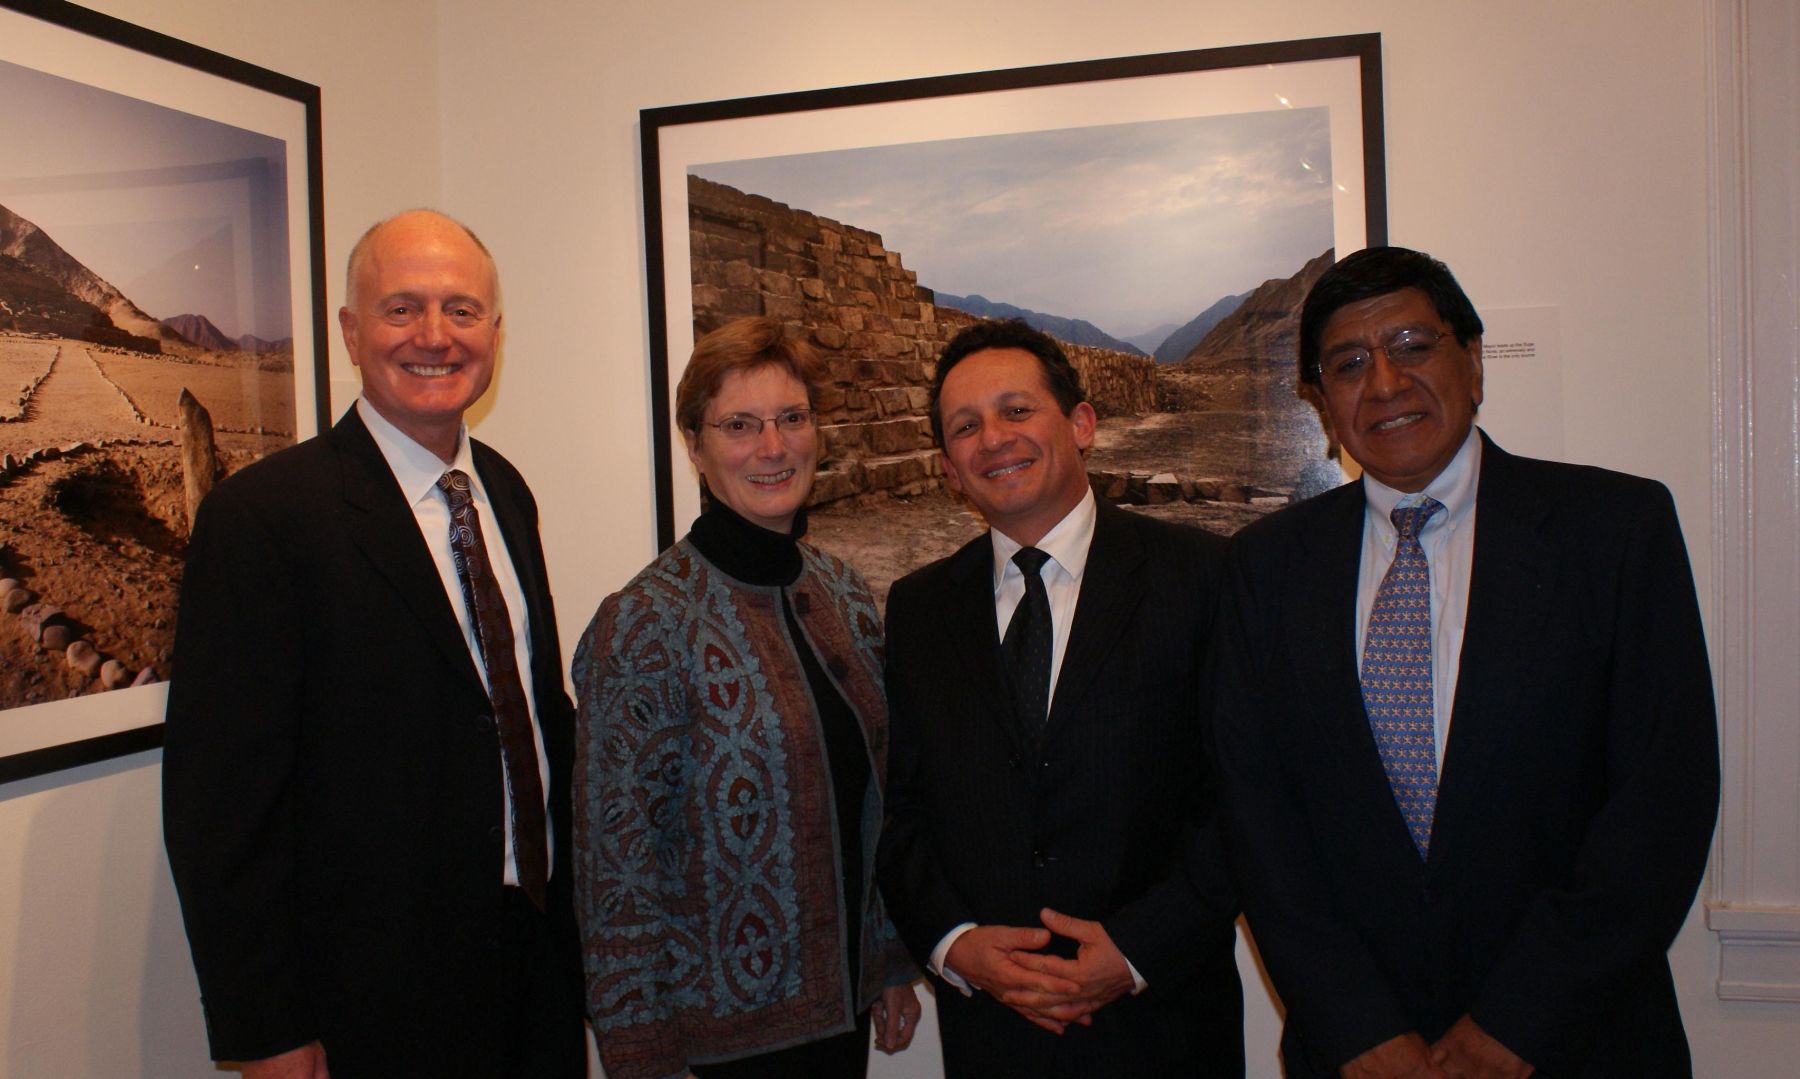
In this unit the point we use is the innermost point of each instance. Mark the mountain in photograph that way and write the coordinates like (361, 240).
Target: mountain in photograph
(199, 330)
(1072, 331)
(32, 303)
(1150, 339)
(1177, 344)
(1266, 324)
(249, 342)
(33, 248)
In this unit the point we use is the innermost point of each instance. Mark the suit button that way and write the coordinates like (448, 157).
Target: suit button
(1039, 859)
(484, 723)
(494, 832)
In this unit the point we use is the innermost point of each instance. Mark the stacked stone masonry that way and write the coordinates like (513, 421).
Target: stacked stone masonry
(878, 330)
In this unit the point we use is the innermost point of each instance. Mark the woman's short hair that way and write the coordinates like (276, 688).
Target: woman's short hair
(742, 345)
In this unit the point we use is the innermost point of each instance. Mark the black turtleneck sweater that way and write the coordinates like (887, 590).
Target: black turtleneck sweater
(758, 556)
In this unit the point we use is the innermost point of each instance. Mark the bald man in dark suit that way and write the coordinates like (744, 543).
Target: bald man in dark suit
(368, 747)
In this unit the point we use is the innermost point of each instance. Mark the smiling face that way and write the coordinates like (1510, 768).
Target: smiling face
(423, 325)
(766, 477)
(1402, 424)
(1007, 444)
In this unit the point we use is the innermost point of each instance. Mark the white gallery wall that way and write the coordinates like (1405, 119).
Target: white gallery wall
(1554, 154)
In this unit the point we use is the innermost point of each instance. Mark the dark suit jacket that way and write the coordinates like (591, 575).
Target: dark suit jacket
(1110, 817)
(1575, 805)
(332, 790)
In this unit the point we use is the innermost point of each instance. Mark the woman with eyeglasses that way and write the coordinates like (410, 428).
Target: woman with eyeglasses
(730, 758)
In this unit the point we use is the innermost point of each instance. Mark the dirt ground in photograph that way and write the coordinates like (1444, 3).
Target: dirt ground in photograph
(889, 538)
(241, 396)
(100, 529)
(1243, 447)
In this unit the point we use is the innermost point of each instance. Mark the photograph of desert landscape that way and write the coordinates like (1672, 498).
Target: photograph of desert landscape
(146, 350)
(1169, 258)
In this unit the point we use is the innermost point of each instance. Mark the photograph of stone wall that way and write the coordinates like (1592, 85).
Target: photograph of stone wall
(1161, 221)
(1215, 436)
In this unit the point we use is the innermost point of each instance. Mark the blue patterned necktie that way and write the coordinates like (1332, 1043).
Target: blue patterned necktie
(506, 690)
(1396, 675)
(1027, 642)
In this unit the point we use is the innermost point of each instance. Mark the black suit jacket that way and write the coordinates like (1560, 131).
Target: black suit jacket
(1575, 806)
(1109, 816)
(332, 790)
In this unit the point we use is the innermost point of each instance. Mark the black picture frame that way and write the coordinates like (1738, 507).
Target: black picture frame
(664, 250)
(75, 41)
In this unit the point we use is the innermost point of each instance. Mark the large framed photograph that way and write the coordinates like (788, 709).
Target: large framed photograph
(1163, 216)
(162, 324)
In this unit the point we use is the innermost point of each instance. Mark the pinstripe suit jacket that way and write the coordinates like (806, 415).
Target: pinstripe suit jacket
(1108, 815)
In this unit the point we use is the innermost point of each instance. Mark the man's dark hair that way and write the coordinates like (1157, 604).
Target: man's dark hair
(1059, 374)
(1377, 271)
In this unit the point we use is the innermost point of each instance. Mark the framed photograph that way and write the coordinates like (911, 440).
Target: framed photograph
(1162, 216)
(162, 324)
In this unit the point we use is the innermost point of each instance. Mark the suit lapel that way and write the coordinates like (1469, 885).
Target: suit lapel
(516, 530)
(382, 525)
(972, 636)
(1507, 605)
(1333, 552)
(1112, 584)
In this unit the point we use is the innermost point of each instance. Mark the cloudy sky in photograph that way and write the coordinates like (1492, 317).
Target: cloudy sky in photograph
(183, 214)
(1129, 226)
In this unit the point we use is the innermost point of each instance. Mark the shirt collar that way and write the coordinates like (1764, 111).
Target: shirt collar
(416, 468)
(1067, 543)
(1454, 487)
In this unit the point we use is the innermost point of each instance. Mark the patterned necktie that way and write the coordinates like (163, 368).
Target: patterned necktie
(1396, 675)
(1027, 642)
(518, 749)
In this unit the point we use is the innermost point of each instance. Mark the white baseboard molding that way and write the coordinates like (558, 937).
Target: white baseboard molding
(1759, 952)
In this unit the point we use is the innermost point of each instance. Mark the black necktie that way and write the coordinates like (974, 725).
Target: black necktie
(1027, 642)
(506, 691)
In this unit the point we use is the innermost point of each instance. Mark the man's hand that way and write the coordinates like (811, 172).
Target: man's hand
(895, 1015)
(1098, 971)
(1405, 1056)
(988, 958)
(1468, 1052)
(306, 1062)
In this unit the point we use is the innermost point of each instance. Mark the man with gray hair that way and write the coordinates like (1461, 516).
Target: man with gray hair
(365, 779)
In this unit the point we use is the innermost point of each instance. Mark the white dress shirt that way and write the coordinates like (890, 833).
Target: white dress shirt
(1449, 542)
(417, 470)
(1067, 545)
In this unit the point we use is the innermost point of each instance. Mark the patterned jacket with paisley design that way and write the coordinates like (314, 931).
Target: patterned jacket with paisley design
(706, 849)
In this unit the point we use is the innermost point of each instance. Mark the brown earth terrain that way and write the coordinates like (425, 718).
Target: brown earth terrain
(92, 517)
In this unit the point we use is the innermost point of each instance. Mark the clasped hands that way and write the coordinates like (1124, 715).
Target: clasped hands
(1009, 964)
(1464, 1052)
